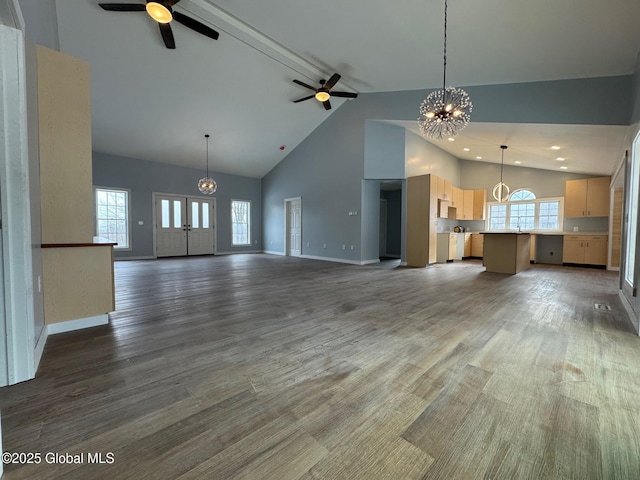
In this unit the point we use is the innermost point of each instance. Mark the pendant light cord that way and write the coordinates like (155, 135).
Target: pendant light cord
(444, 76)
(207, 137)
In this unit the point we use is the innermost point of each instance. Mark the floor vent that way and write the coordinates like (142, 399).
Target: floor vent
(602, 306)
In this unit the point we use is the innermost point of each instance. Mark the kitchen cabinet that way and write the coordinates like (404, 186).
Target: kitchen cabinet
(422, 206)
(447, 250)
(467, 205)
(477, 244)
(457, 201)
(479, 201)
(585, 249)
(445, 189)
(467, 245)
(587, 197)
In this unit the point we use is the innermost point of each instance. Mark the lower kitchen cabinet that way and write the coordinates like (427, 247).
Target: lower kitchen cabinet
(585, 249)
(447, 247)
(477, 244)
(467, 245)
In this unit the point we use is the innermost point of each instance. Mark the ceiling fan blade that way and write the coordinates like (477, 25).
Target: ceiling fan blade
(332, 81)
(304, 85)
(303, 99)
(167, 35)
(327, 105)
(123, 7)
(195, 25)
(344, 94)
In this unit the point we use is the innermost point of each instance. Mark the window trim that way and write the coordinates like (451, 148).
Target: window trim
(537, 203)
(248, 244)
(95, 214)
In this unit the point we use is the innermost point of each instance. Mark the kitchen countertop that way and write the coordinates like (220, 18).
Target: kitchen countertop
(537, 232)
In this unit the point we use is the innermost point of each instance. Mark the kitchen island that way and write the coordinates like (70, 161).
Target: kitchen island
(506, 252)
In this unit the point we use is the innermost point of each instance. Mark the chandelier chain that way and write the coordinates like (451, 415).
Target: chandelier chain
(444, 75)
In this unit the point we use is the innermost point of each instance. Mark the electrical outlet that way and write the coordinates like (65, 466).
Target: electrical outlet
(324, 245)
(344, 247)
(575, 229)
(351, 247)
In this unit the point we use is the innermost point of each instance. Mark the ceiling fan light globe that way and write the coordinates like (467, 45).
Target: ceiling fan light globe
(159, 12)
(322, 96)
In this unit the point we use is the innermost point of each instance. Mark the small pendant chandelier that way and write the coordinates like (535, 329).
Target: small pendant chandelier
(501, 190)
(445, 113)
(207, 185)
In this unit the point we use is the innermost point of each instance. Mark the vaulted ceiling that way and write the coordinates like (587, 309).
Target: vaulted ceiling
(152, 103)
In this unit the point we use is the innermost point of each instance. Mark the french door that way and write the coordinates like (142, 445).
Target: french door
(184, 225)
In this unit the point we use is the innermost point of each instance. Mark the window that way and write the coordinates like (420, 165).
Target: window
(524, 212)
(522, 194)
(112, 215)
(240, 222)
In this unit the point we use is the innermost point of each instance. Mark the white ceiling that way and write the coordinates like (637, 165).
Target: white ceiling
(152, 103)
(592, 149)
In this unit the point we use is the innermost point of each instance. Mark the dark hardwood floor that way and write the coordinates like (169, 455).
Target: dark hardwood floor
(268, 367)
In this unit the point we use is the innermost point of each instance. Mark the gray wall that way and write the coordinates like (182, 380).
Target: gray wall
(41, 22)
(326, 169)
(384, 147)
(143, 178)
(422, 157)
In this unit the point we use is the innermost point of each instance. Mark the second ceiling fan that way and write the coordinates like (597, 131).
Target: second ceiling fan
(162, 13)
(324, 93)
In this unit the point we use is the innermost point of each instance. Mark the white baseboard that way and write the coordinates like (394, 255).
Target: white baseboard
(340, 260)
(238, 253)
(633, 318)
(61, 327)
(270, 252)
(118, 259)
(403, 264)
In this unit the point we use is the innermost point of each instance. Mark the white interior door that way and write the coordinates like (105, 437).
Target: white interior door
(171, 226)
(294, 227)
(200, 237)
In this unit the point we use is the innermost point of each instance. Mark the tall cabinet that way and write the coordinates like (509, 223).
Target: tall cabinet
(77, 269)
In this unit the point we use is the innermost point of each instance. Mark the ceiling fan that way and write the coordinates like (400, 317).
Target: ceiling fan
(324, 92)
(162, 13)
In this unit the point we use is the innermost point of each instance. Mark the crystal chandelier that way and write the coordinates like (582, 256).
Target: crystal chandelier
(501, 190)
(207, 185)
(444, 113)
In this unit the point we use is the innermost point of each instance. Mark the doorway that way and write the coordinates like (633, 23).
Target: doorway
(184, 225)
(293, 226)
(390, 226)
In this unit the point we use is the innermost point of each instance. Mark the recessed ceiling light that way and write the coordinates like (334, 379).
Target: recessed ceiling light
(466, 149)
(563, 167)
(560, 159)
(555, 147)
(478, 158)
(451, 139)
(517, 162)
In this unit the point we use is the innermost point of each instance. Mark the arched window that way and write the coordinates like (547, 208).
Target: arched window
(522, 194)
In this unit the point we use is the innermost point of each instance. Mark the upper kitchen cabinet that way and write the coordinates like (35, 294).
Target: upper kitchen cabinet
(479, 202)
(467, 205)
(444, 189)
(587, 198)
